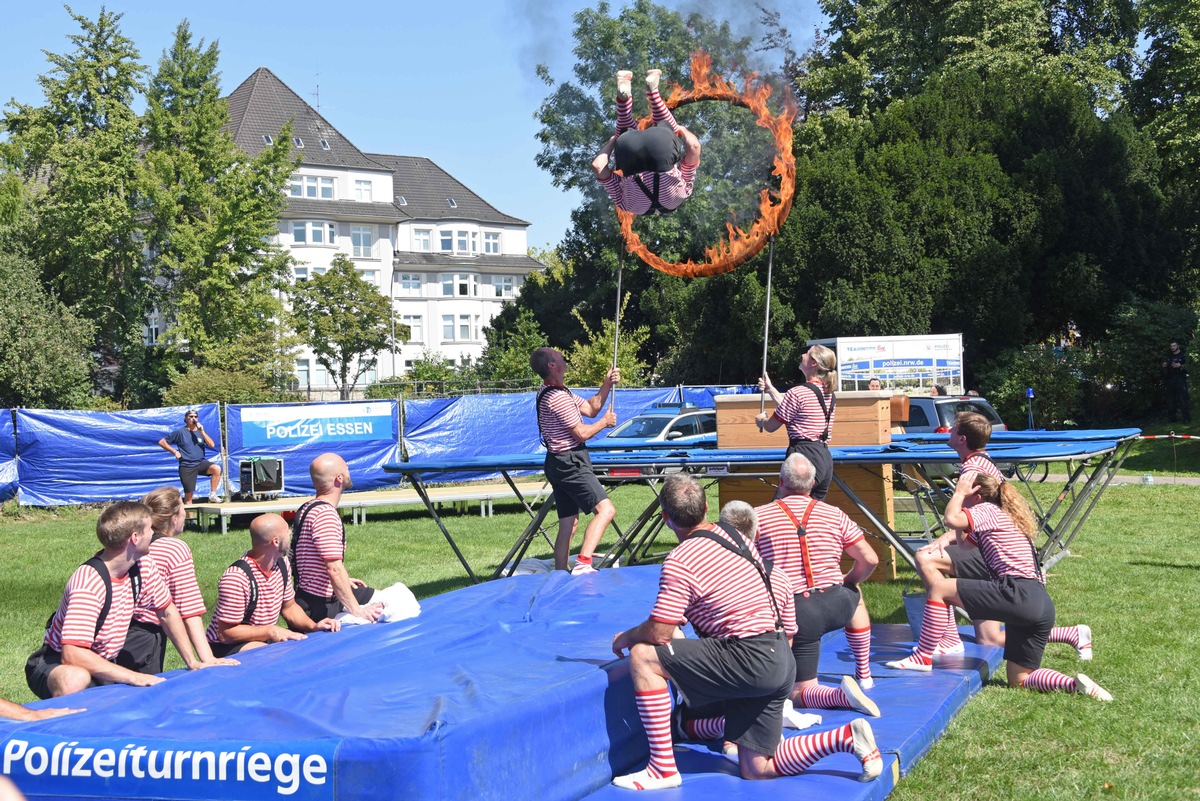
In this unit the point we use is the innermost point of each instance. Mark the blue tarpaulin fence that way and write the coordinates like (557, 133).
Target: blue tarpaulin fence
(59, 457)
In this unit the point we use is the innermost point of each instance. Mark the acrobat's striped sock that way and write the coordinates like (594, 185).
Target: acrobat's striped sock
(659, 111)
(796, 754)
(654, 708)
(933, 628)
(1067, 634)
(950, 638)
(860, 647)
(816, 696)
(1046, 680)
(705, 728)
(625, 119)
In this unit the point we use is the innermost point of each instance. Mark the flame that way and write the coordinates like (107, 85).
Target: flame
(738, 246)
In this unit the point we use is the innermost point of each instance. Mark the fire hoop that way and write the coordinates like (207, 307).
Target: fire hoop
(738, 246)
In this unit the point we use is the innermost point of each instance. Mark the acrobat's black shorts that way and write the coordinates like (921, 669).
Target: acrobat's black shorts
(576, 488)
(318, 608)
(751, 677)
(968, 563)
(819, 612)
(189, 472)
(41, 664)
(145, 648)
(1023, 605)
(656, 149)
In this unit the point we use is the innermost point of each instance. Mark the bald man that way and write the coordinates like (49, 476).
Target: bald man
(255, 590)
(323, 586)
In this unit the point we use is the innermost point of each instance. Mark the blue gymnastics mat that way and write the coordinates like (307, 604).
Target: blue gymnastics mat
(504, 690)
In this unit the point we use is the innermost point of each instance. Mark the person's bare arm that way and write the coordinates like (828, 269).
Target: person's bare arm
(648, 631)
(166, 446)
(343, 590)
(13, 711)
(601, 165)
(294, 614)
(691, 147)
(593, 405)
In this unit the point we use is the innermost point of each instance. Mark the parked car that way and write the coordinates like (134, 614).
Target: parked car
(935, 414)
(666, 425)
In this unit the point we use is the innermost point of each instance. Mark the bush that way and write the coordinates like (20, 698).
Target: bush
(1054, 374)
(212, 385)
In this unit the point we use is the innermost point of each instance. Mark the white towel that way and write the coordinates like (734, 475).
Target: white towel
(798, 720)
(398, 601)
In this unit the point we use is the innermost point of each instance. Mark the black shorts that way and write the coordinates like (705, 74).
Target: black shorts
(224, 649)
(1023, 605)
(968, 563)
(576, 488)
(145, 648)
(753, 678)
(818, 453)
(655, 149)
(189, 472)
(819, 612)
(318, 608)
(40, 665)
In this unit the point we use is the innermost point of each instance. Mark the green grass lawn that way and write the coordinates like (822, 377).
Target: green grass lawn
(1134, 576)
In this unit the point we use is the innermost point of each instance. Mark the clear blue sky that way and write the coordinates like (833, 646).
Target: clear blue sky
(451, 81)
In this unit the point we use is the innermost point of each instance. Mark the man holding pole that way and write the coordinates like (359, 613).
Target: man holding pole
(568, 467)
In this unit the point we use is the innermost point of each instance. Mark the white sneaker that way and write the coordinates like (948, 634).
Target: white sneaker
(583, 569)
(867, 684)
(1085, 686)
(642, 780)
(798, 720)
(624, 84)
(866, 750)
(652, 79)
(949, 650)
(1085, 642)
(909, 663)
(859, 701)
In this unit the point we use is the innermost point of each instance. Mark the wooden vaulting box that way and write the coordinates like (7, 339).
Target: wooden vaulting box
(862, 418)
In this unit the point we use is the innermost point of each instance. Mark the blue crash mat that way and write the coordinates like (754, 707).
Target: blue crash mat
(503, 690)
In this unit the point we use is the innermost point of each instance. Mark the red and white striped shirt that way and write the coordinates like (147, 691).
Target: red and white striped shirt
(801, 412)
(1006, 551)
(674, 187)
(830, 533)
(173, 558)
(720, 592)
(560, 412)
(75, 621)
(980, 462)
(322, 539)
(233, 596)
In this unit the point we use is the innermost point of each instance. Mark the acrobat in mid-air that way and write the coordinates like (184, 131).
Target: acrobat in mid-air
(657, 165)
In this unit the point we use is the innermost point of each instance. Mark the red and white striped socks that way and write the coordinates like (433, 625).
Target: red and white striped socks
(1047, 680)
(654, 708)
(625, 119)
(659, 111)
(796, 754)
(817, 696)
(860, 647)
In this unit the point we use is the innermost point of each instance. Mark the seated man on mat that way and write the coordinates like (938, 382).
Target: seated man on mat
(86, 633)
(716, 579)
(806, 539)
(255, 590)
(658, 164)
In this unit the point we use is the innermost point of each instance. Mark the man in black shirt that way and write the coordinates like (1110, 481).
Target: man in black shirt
(1175, 366)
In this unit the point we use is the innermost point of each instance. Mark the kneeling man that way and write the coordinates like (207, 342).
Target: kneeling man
(255, 590)
(745, 613)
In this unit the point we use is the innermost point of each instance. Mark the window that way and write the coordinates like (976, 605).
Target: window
(401, 200)
(302, 376)
(491, 243)
(362, 191)
(320, 377)
(423, 240)
(458, 285)
(301, 272)
(298, 142)
(447, 327)
(408, 364)
(313, 232)
(311, 186)
(460, 328)
(450, 202)
(267, 138)
(504, 286)
(371, 375)
(362, 239)
(152, 332)
(409, 283)
(324, 143)
(370, 276)
(464, 327)
(416, 327)
(447, 241)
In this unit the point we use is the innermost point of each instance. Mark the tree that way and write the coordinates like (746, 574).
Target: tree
(78, 158)
(212, 215)
(43, 345)
(344, 320)
(506, 355)
(591, 360)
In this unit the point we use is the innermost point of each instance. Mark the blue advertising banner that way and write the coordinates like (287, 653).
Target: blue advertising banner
(71, 457)
(8, 456)
(94, 767)
(364, 433)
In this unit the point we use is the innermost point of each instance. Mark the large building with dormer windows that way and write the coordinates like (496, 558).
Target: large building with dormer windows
(448, 260)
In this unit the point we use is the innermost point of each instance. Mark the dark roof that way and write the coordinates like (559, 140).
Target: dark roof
(339, 209)
(263, 104)
(489, 262)
(427, 188)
